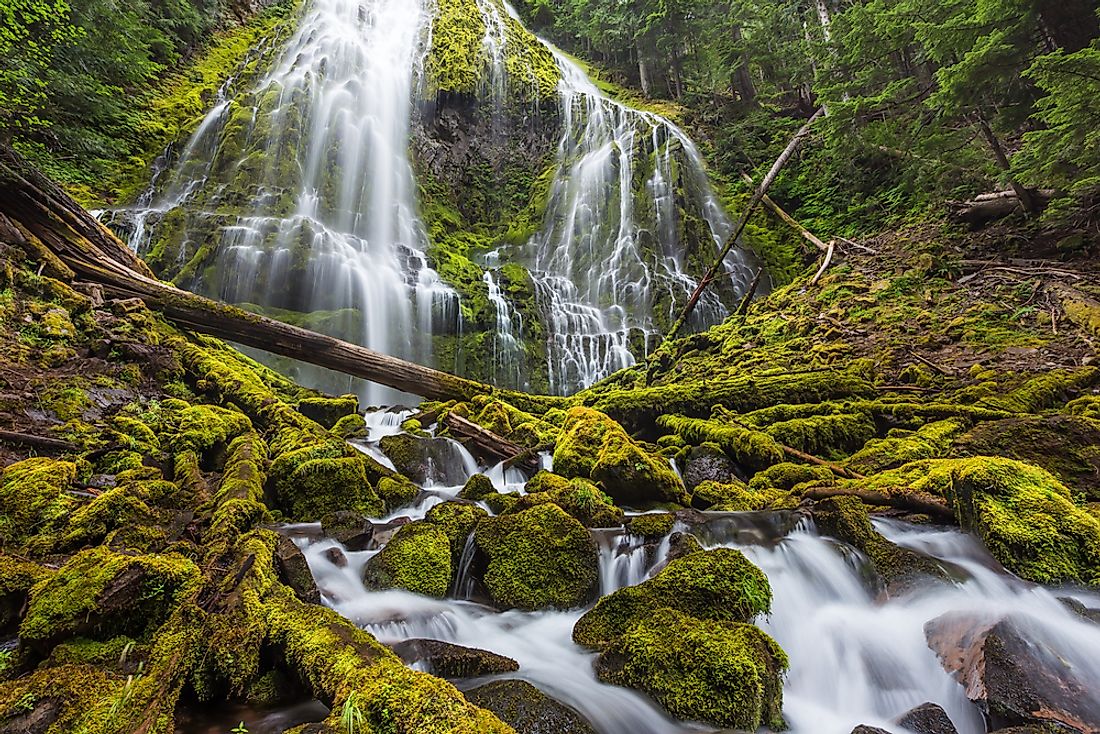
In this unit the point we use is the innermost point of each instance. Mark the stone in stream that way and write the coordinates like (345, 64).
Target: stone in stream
(448, 660)
(928, 718)
(1011, 675)
(527, 709)
(294, 571)
(538, 558)
(352, 529)
(1090, 613)
(864, 729)
(424, 459)
(707, 463)
(417, 558)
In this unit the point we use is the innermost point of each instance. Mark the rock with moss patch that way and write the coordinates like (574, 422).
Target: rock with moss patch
(423, 459)
(457, 520)
(593, 446)
(351, 426)
(652, 525)
(294, 571)
(329, 411)
(396, 492)
(580, 498)
(477, 488)
(718, 585)
(845, 518)
(724, 673)
(33, 498)
(448, 660)
(417, 558)
(707, 463)
(538, 558)
(527, 709)
(311, 482)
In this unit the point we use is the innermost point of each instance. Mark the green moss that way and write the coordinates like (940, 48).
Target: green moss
(17, 576)
(417, 558)
(478, 487)
(786, 476)
(396, 492)
(828, 436)
(738, 497)
(928, 442)
(457, 520)
(350, 426)
(652, 524)
(538, 558)
(592, 446)
(329, 411)
(724, 673)
(717, 585)
(580, 498)
(316, 486)
(103, 593)
(754, 449)
(1046, 390)
(33, 498)
(1025, 516)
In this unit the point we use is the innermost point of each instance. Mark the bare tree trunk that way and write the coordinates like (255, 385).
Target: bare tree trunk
(643, 72)
(1024, 194)
(742, 77)
(757, 197)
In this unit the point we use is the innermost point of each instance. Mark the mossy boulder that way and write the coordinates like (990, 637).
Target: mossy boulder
(457, 520)
(396, 492)
(1065, 445)
(477, 487)
(538, 558)
(527, 709)
(313, 481)
(580, 498)
(727, 674)
(786, 476)
(705, 463)
(101, 594)
(739, 497)
(652, 525)
(930, 441)
(417, 558)
(846, 519)
(718, 585)
(593, 446)
(33, 498)
(423, 460)
(1026, 517)
(329, 411)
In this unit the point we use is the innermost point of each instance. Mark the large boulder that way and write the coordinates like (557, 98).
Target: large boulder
(294, 571)
(538, 558)
(457, 520)
(719, 585)
(448, 660)
(424, 460)
(593, 446)
(417, 558)
(1014, 676)
(723, 673)
(527, 709)
(707, 463)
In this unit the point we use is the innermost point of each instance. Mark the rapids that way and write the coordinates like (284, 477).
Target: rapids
(856, 656)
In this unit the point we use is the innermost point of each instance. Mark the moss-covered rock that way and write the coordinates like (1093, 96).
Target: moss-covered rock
(448, 660)
(931, 441)
(786, 476)
(580, 498)
(845, 518)
(33, 497)
(652, 524)
(593, 446)
(538, 558)
(739, 497)
(396, 492)
(102, 594)
(457, 520)
(717, 585)
(319, 485)
(17, 576)
(477, 487)
(1026, 517)
(417, 558)
(724, 673)
(329, 411)
(755, 450)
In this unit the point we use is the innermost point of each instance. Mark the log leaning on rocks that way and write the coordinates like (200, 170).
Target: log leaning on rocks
(55, 226)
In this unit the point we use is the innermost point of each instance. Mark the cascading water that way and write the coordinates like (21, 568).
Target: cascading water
(856, 657)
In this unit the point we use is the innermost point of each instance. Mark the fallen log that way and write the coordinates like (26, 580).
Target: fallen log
(986, 208)
(907, 502)
(37, 442)
(488, 445)
(47, 216)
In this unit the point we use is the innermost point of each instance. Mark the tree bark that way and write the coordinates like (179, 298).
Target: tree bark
(757, 197)
(1023, 193)
(486, 444)
(47, 214)
(742, 77)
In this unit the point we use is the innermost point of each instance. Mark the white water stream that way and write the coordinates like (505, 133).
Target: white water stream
(856, 658)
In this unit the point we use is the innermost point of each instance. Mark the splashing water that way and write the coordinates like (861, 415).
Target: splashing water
(854, 659)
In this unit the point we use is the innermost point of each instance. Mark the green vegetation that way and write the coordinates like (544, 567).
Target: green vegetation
(417, 558)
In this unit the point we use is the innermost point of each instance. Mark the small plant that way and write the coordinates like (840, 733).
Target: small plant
(352, 720)
(239, 729)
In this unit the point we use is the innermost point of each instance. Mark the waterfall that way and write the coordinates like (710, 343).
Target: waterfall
(296, 195)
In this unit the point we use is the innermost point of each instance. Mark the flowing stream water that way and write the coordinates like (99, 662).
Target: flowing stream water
(857, 657)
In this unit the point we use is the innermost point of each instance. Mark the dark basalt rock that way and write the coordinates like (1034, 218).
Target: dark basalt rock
(527, 709)
(294, 571)
(448, 660)
(707, 463)
(423, 459)
(928, 718)
(1009, 672)
(864, 729)
(353, 530)
(1089, 613)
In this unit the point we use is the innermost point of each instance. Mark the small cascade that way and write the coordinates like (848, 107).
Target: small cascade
(627, 559)
(507, 345)
(464, 581)
(609, 263)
